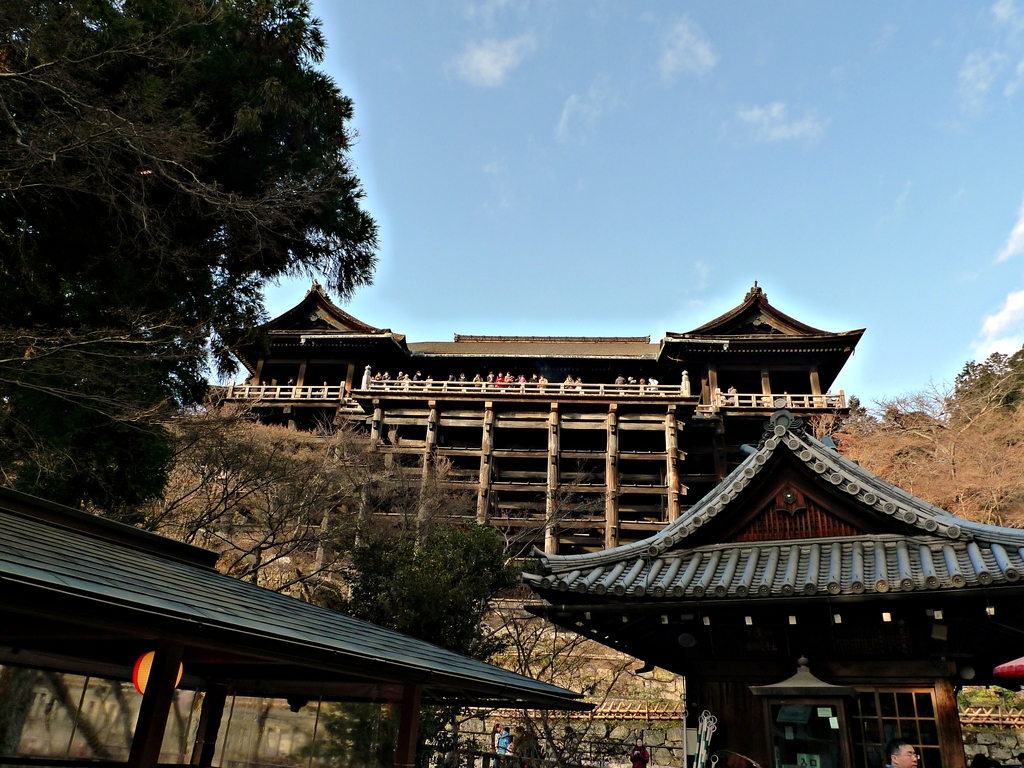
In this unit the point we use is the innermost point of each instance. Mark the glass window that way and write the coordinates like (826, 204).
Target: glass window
(884, 715)
(806, 736)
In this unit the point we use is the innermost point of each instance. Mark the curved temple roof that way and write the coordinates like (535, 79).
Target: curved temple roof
(928, 547)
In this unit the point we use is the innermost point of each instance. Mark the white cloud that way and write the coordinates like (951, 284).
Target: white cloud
(885, 36)
(487, 63)
(1015, 242)
(579, 113)
(1004, 330)
(686, 49)
(1006, 12)
(977, 74)
(772, 123)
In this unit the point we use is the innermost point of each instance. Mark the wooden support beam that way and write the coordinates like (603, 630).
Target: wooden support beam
(947, 716)
(551, 512)
(721, 464)
(259, 372)
(408, 726)
(156, 705)
(209, 726)
(611, 480)
(815, 381)
(429, 447)
(302, 374)
(483, 493)
(672, 462)
(376, 425)
(766, 382)
(350, 375)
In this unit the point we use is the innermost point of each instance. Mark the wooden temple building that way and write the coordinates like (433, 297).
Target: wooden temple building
(575, 466)
(802, 561)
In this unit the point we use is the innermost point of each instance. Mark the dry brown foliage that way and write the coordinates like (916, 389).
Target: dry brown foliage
(959, 449)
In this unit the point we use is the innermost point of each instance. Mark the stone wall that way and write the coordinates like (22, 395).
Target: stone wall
(1000, 744)
(597, 743)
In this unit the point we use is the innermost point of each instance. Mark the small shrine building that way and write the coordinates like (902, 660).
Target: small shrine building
(889, 604)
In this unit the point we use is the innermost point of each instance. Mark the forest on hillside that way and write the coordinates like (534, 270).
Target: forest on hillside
(957, 445)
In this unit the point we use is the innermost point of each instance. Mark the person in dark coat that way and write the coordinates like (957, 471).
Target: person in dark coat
(639, 757)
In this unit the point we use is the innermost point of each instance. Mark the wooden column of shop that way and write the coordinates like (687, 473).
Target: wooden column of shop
(483, 491)
(672, 470)
(611, 480)
(551, 510)
(209, 726)
(947, 717)
(156, 706)
(408, 726)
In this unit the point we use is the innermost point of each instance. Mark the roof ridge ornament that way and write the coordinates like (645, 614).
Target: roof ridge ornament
(755, 292)
(316, 288)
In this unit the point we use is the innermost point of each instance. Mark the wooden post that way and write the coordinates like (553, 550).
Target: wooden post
(408, 727)
(712, 377)
(429, 447)
(301, 379)
(551, 512)
(349, 377)
(766, 383)
(209, 726)
(259, 372)
(815, 381)
(721, 460)
(156, 706)
(611, 480)
(672, 469)
(483, 491)
(376, 424)
(947, 717)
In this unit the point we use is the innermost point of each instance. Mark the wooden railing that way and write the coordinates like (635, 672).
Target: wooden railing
(289, 392)
(527, 388)
(998, 716)
(775, 401)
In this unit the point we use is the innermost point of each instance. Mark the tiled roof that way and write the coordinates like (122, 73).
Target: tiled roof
(535, 349)
(943, 550)
(56, 551)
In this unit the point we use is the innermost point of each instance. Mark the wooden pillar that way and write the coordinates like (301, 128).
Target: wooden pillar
(408, 726)
(156, 706)
(209, 726)
(350, 375)
(429, 448)
(611, 480)
(766, 382)
(551, 511)
(947, 716)
(483, 491)
(712, 377)
(815, 381)
(721, 460)
(672, 470)
(302, 374)
(376, 424)
(259, 372)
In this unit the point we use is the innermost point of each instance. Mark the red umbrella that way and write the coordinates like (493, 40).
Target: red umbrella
(1011, 670)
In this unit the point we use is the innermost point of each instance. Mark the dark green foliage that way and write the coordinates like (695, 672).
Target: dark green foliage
(356, 736)
(438, 590)
(998, 380)
(160, 160)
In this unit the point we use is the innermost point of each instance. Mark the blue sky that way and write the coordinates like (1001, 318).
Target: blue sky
(628, 168)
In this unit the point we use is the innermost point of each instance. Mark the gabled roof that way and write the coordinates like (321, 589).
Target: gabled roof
(915, 544)
(316, 312)
(53, 558)
(754, 317)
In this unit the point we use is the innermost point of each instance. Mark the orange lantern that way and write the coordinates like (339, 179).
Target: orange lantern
(140, 675)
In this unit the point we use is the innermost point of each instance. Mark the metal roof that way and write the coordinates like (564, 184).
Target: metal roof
(101, 568)
(943, 550)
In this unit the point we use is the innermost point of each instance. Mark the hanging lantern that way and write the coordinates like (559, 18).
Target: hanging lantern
(140, 675)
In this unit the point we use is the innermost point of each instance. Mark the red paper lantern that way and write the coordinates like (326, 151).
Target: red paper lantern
(1011, 670)
(140, 675)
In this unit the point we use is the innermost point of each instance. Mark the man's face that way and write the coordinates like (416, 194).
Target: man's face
(907, 758)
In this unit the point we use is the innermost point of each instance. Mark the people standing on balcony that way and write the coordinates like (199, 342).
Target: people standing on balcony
(732, 399)
(652, 385)
(462, 378)
(542, 382)
(417, 376)
(620, 379)
(490, 377)
(387, 376)
(643, 384)
(499, 380)
(478, 379)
